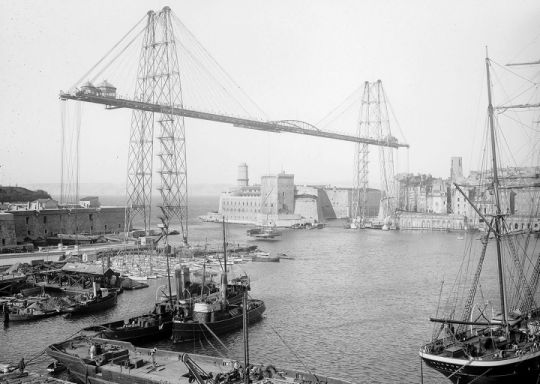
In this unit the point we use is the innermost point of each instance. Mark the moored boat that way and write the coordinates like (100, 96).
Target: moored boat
(158, 323)
(265, 257)
(30, 312)
(264, 233)
(103, 299)
(470, 345)
(100, 361)
(207, 319)
(32, 308)
(215, 313)
(154, 325)
(55, 367)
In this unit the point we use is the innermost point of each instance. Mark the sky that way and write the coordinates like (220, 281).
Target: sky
(296, 59)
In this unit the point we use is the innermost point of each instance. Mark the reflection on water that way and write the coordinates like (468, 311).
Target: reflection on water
(352, 304)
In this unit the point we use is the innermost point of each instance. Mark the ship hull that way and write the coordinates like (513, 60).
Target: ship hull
(76, 367)
(523, 370)
(121, 362)
(138, 333)
(187, 331)
(30, 317)
(101, 305)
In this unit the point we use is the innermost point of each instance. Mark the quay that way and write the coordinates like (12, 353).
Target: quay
(30, 378)
(54, 253)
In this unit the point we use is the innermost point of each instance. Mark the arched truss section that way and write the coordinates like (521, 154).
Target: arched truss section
(297, 124)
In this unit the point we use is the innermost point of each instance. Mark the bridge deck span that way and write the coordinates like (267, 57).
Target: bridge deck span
(276, 127)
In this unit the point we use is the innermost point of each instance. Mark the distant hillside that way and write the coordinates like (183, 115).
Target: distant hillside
(19, 194)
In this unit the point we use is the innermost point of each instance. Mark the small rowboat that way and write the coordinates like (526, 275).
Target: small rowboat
(55, 367)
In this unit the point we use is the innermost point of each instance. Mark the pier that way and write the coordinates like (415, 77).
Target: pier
(30, 378)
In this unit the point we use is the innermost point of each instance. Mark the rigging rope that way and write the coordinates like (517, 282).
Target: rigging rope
(211, 344)
(214, 61)
(294, 353)
(117, 55)
(108, 52)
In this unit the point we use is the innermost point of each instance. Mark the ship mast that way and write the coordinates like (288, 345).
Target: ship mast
(224, 274)
(498, 214)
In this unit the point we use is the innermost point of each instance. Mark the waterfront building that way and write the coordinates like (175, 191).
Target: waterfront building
(456, 169)
(41, 219)
(8, 238)
(241, 204)
(421, 196)
(278, 201)
(421, 193)
(40, 204)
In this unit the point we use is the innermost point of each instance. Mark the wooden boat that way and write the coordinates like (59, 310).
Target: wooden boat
(31, 308)
(285, 256)
(55, 367)
(265, 257)
(156, 324)
(473, 347)
(104, 299)
(101, 361)
(31, 312)
(67, 238)
(31, 291)
(10, 373)
(264, 233)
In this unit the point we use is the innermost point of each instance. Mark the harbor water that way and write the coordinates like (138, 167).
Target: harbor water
(351, 304)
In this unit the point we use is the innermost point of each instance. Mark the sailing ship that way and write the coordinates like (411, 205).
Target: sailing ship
(504, 347)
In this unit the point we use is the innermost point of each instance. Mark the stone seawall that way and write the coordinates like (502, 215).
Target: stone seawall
(431, 222)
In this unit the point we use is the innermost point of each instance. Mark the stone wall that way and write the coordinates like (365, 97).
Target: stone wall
(34, 225)
(307, 206)
(431, 222)
(523, 222)
(340, 200)
(7, 230)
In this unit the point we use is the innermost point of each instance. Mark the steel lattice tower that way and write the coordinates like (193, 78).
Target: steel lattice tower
(158, 82)
(374, 123)
(361, 162)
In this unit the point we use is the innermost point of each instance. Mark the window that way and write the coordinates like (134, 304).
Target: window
(91, 216)
(27, 219)
(44, 219)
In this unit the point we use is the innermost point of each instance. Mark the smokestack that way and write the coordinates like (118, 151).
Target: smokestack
(181, 278)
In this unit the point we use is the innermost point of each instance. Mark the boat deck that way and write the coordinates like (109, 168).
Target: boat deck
(471, 348)
(121, 362)
(168, 365)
